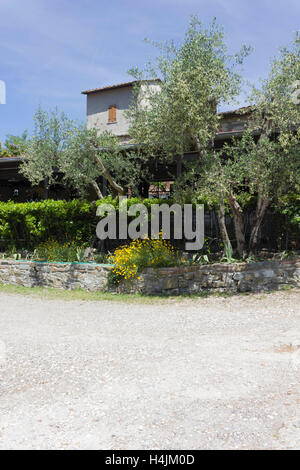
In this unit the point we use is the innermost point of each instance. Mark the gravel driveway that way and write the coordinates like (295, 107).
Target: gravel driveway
(215, 373)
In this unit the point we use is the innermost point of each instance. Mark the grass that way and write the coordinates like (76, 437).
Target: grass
(82, 295)
(79, 294)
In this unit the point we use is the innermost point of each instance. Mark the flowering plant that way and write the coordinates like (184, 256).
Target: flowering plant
(128, 260)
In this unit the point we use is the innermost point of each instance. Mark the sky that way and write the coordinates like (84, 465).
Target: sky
(51, 50)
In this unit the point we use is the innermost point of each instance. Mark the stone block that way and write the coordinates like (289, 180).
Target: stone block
(170, 283)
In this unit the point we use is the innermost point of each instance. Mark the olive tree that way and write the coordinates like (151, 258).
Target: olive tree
(197, 76)
(269, 165)
(90, 156)
(243, 166)
(43, 149)
(61, 148)
(276, 110)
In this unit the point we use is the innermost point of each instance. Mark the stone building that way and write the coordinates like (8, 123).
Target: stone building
(106, 107)
(105, 111)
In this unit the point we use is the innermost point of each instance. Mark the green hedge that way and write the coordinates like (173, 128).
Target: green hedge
(25, 225)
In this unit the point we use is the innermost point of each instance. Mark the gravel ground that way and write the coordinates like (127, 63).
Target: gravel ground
(215, 373)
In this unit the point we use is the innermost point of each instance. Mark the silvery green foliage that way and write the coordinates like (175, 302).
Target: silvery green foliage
(267, 166)
(61, 147)
(272, 165)
(274, 101)
(197, 75)
(44, 148)
(79, 163)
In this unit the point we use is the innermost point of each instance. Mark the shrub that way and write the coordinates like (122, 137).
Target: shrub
(27, 225)
(101, 258)
(128, 260)
(52, 250)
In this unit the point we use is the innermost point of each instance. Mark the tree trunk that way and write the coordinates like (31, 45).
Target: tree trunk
(109, 178)
(221, 210)
(261, 208)
(97, 190)
(262, 202)
(238, 224)
(222, 226)
(46, 188)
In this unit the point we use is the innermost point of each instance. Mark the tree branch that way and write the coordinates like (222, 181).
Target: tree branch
(109, 178)
(97, 189)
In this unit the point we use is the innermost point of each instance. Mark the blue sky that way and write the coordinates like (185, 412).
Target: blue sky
(51, 50)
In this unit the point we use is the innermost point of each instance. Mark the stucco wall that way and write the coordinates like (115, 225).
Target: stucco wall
(97, 110)
(98, 104)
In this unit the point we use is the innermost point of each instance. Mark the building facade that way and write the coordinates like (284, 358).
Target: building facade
(106, 111)
(106, 107)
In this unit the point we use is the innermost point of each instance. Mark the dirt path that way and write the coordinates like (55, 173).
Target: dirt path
(216, 373)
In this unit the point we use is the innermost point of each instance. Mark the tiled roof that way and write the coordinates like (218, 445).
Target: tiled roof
(244, 109)
(6, 159)
(119, 85)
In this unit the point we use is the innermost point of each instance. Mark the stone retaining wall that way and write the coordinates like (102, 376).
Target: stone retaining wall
(91, 277)
(239, 277)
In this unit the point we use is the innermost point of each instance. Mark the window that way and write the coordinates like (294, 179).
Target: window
(112, 113)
